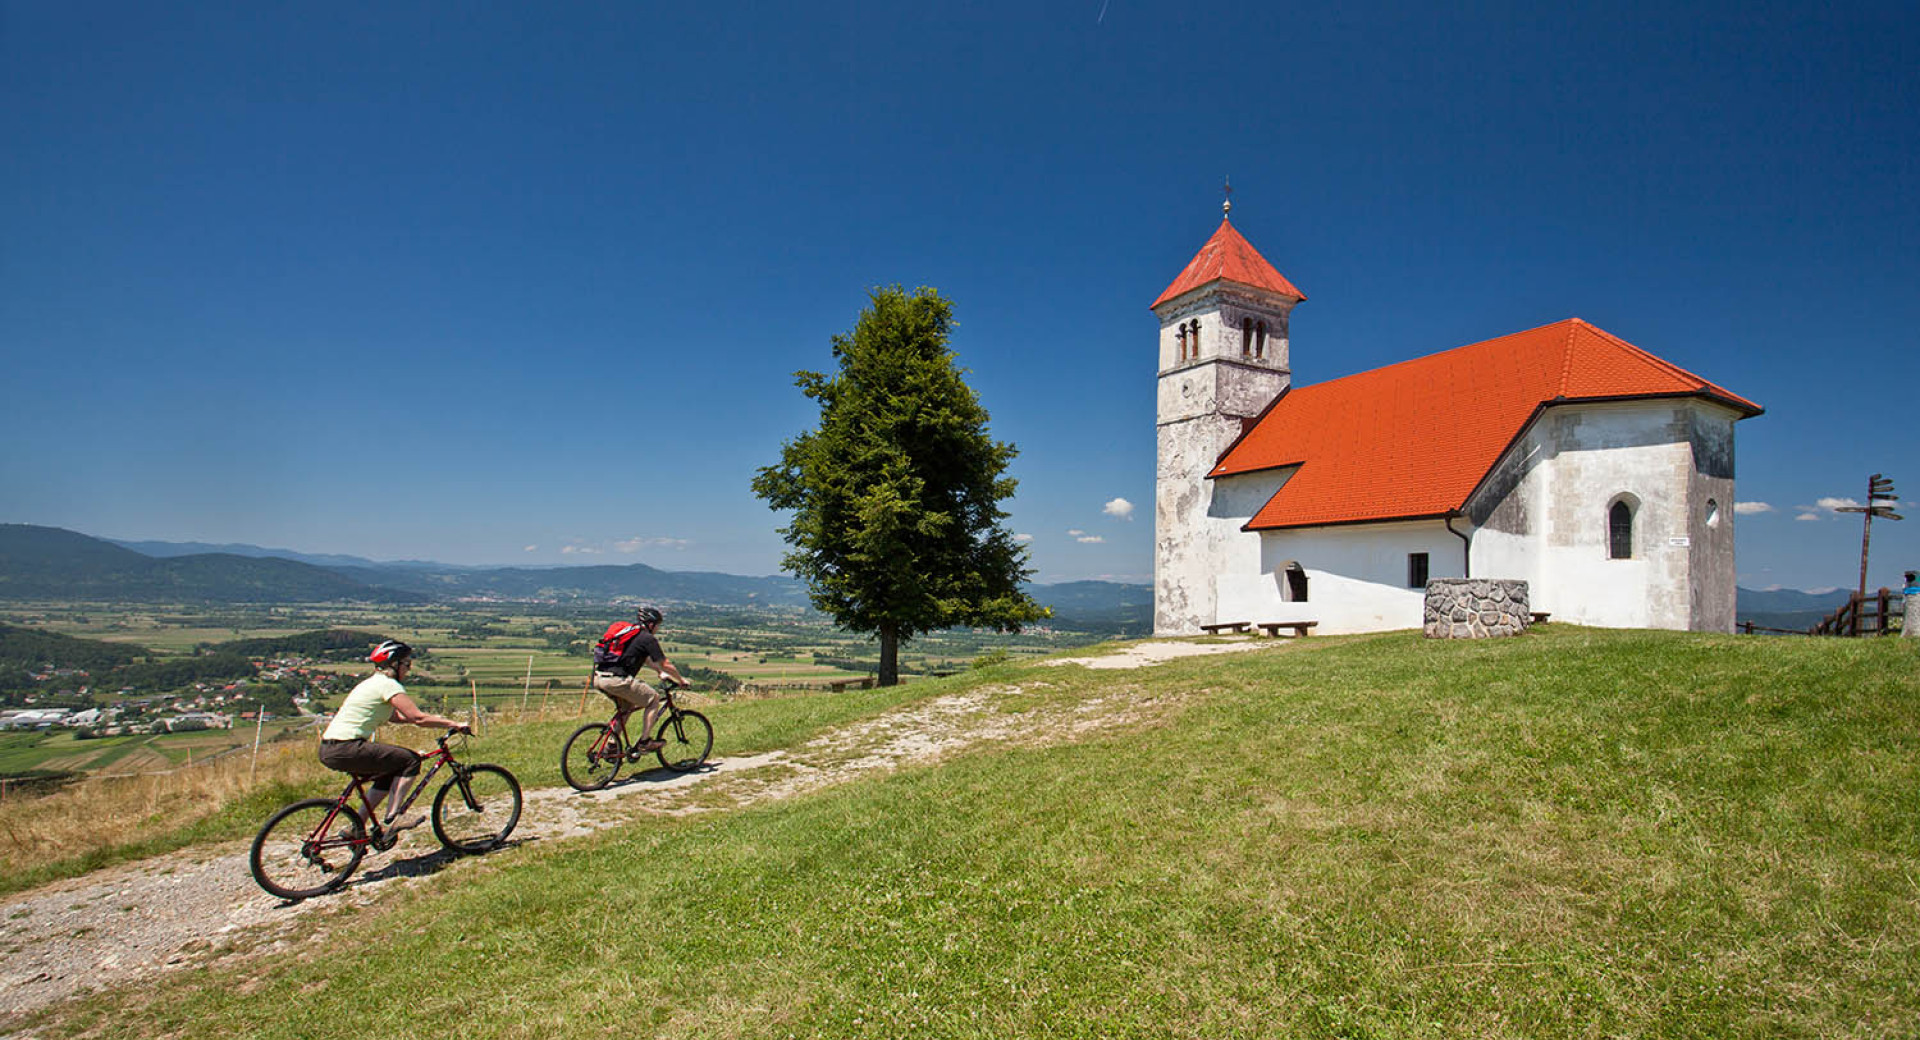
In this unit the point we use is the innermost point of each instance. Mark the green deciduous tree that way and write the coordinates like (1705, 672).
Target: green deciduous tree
(896, 496)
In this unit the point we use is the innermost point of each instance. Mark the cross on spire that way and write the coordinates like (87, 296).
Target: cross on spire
(1226, 206)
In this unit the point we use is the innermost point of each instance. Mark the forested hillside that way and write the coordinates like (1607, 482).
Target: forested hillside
(327, 644)
(25, 652)
(47, 563)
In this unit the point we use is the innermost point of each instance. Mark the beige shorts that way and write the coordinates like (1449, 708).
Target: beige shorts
(626, 690)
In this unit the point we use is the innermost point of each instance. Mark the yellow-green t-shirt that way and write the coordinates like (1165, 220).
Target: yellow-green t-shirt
(366, 709)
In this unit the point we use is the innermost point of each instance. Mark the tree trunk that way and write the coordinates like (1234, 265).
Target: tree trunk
(889, 656)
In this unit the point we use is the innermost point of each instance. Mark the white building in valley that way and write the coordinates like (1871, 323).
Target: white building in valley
(1562, 455)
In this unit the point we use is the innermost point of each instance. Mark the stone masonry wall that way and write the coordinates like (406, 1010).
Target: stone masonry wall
(1475, 608)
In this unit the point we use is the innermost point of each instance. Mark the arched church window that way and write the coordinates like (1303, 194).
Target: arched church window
(1246, 337)
(1620, 531)
(1182, 333)
(1260, 340)
(1193, 337)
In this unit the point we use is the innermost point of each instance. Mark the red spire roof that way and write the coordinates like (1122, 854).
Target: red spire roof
(1415, 439)
(1231, 257)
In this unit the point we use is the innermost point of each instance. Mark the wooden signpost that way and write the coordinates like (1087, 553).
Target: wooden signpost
(1880, 502)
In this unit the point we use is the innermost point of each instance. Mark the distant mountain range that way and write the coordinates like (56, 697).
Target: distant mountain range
(38, 563)
(48, 563)
(168, 550)
(44, 563)
(1788, 608)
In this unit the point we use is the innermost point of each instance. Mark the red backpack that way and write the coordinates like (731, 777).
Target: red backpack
(607, 652)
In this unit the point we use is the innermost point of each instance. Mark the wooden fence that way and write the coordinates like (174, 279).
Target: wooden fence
(1875, 614)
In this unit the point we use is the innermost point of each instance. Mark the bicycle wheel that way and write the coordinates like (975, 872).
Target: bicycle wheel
(685, 738)
(588, 763)
(300, 854)
(476, 812)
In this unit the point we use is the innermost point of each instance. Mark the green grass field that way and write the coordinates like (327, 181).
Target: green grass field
(1576, 833)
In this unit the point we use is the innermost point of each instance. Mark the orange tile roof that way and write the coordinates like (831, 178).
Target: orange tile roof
(1231, 257)
(1415, 439)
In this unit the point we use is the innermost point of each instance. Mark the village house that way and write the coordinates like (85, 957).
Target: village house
(1563, 456)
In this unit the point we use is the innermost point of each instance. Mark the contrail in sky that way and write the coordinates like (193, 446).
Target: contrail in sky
(1103, 12)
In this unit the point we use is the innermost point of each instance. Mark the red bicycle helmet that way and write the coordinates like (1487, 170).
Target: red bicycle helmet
(390, 652)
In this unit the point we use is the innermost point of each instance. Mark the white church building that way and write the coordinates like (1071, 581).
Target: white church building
(1563, 456)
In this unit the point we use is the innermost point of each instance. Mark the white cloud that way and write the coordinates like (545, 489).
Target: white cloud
(1808, 516)
(584, 550)
(634, 545)
(531, 548)
(1835, 503)
(1089, 539)
(1119, 508)
(1075, 532)
(1023, 538)
(1750, 508)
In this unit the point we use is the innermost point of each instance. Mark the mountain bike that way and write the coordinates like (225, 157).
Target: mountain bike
(596, 751)
(311, 847)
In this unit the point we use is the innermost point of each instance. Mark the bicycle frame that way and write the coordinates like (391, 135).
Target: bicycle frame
(357, 785)
(672, 713)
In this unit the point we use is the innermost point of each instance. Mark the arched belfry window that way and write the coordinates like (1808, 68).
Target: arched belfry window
(1620, 531)
(1193, 338)
(1260, 340)
(1181, 332)
(1246, 337)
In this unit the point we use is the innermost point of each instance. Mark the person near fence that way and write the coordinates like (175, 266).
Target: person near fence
(618, 676)
(1909, 623)
(348, 745)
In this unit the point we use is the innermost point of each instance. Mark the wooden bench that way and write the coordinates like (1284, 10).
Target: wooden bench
(1300, 628)
(1539, 617)
(1225, 626)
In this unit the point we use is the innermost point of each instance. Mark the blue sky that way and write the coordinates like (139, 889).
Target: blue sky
(528, 283)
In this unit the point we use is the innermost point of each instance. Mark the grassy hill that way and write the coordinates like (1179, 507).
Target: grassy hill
(1575, 833)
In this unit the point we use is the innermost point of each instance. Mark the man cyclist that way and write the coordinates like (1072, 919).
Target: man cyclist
(348, 745)
(620, 678)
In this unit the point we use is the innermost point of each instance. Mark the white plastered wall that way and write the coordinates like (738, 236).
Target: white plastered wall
(1543, 514)
(1356, 575)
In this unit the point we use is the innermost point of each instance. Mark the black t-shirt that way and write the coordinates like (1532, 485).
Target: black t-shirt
(641, 649)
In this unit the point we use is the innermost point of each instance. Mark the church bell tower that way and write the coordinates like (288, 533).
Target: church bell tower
(1223, 360)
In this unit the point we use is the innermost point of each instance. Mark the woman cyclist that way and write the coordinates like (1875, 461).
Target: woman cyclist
(348, 745)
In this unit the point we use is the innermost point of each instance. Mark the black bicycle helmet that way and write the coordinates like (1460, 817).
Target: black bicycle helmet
(391, 652)
(649, 615)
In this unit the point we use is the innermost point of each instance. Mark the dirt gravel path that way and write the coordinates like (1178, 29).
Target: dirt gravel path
(127, 923)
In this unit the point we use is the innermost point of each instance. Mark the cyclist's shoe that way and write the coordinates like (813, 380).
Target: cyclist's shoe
(649, 746)
(405, 824)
